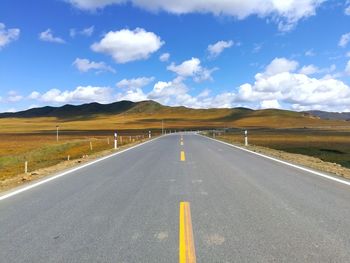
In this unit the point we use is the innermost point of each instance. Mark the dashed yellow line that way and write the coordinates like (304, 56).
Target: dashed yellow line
(187, 253)
(182, 156)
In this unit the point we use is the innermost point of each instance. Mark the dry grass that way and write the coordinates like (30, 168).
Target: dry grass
(327, 145)
(42, 150)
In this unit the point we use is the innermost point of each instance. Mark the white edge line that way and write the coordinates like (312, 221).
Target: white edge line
(26, 188)
(284, 162)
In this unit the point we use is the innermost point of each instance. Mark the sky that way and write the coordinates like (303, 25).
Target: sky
(287, 54)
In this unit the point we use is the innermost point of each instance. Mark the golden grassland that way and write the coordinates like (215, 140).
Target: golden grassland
(180, 119)
(42, 150)
(34, 139)
(328, 145)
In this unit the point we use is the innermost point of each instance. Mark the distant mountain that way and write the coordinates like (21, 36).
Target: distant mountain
(149, 114)
(71, 111)
(330, 115)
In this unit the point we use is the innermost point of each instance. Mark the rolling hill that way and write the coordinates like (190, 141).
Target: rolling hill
(150, 114)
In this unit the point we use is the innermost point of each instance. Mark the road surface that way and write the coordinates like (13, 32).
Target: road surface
(242, 208)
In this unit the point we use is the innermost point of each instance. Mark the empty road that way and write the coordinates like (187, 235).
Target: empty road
(179, 200)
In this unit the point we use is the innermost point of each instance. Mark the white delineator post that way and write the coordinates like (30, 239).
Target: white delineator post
(26, 167)
(246, 138)
(149, 135)
(115, 140)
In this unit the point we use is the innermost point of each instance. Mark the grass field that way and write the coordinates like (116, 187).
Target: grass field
(327, 145)
(33, 139)
(41, 150)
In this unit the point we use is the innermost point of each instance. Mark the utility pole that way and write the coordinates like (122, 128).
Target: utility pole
(57, 126)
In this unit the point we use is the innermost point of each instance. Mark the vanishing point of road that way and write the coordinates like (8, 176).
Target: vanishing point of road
(179, 198)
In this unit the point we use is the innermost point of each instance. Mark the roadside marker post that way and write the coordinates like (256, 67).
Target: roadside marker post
(149, 135)
(115, 141)
(246, 138)
(26, 167)
(90, 146)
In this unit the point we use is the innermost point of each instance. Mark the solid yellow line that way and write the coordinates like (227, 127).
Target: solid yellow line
(187, 253)
(182, 156)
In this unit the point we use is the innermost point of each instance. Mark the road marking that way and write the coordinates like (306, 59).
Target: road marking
(286, 163)
(26, 188)
(182, 156)
(182, 143)
(187, 253)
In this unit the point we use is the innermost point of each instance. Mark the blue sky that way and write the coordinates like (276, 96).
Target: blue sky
(203, 53)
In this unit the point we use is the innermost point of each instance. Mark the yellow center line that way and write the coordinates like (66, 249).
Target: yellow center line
(187, 253)
(182, 156)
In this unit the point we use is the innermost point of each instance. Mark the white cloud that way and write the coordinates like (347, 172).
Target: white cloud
(135, 83)
(285, 14)
(217, 48)
(347, 68)
(84, 32)
(344, 40)
(85, 65)
(192, 68)
(13, 96)
(297, 91)
(79, 95)
(126, 45)
(309, 70)
(49, 37)
(347, 8)
(8, 35)
(187, 68)
(164, 57)
(270, 104)
(279, 65)
(34, 95)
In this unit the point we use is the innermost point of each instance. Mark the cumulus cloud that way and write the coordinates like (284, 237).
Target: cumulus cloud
(344, 40)
(270, 104)
(192, 68)
(85, 65)
(81, 94)
(135, 83)
(8, 35)
(217, 48)
(34, 95)
(279, 65)
(309, 70)
(285, 14)
(83, 32)
(298, 91)
(128, 45)
(164, 57)
(49, 37)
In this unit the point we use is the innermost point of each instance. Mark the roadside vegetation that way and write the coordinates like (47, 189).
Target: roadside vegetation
(329, 145)
(41, 150)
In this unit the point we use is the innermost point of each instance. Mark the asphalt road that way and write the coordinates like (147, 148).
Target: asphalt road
(244, 208)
